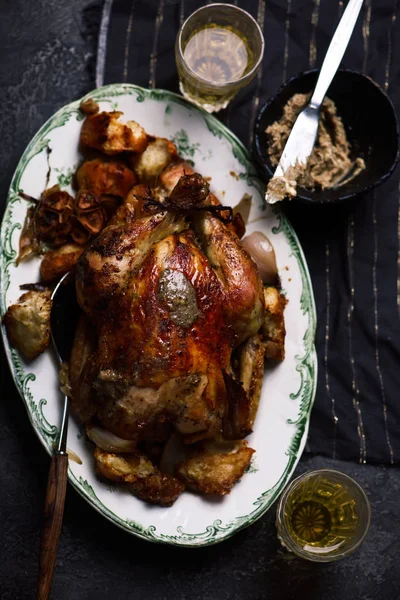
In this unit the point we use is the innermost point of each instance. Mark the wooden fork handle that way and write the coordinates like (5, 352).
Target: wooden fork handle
(52, 522)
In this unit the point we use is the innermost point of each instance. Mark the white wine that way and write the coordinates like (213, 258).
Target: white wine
(217, 54)
(218, 51)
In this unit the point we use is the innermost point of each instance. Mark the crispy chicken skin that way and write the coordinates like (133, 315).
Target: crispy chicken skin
(28, 323)
(144, 479)
(103, 131)
(214, 468)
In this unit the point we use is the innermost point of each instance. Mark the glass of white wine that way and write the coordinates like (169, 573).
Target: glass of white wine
(218, 51)
(323, 516)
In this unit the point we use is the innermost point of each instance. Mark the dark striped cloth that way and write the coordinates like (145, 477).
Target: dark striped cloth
(352, 250)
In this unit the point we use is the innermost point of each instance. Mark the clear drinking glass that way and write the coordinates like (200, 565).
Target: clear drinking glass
(323, 516)
(218, 51)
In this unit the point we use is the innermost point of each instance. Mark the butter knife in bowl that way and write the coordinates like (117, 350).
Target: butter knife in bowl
(302, 138)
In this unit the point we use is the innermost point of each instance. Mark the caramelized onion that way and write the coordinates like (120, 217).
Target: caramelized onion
(262, 252)
(109, 442)
(74, 457)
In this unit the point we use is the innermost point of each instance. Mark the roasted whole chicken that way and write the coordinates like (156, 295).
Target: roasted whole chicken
(168, 359)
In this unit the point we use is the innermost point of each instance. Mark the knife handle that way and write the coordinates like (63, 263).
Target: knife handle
(336, 50)
(53, 516)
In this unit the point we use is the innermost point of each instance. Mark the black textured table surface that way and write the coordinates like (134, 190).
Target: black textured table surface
(47, 51)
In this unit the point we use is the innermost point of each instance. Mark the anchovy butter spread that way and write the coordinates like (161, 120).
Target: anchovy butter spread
(178, 295)
(329, 164)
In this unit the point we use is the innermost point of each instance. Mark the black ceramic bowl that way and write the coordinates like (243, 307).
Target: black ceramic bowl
(369, 119)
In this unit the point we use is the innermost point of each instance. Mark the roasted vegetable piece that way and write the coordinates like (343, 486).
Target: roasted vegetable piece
(273, 329)
(89, 107)
(89, 217)
(213, 468)
(106, 133)
(59, 261)
(144, 479)
(28, 241)
(105, 178)
(28, 323)
(53, 216)
(158, 154)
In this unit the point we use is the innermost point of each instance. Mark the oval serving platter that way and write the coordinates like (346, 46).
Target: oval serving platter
(288, 391)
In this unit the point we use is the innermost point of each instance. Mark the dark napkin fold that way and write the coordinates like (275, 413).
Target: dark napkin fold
(352, 250)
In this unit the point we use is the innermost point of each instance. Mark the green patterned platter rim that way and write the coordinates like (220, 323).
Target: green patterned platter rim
(289, 389)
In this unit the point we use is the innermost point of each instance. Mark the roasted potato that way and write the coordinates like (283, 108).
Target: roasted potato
(59, 261)
(103, 131)
(158, 154)
(144, 479)
(108, 178)
(89, 107)
(214, 468)
(273, 329)
(28, 323)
